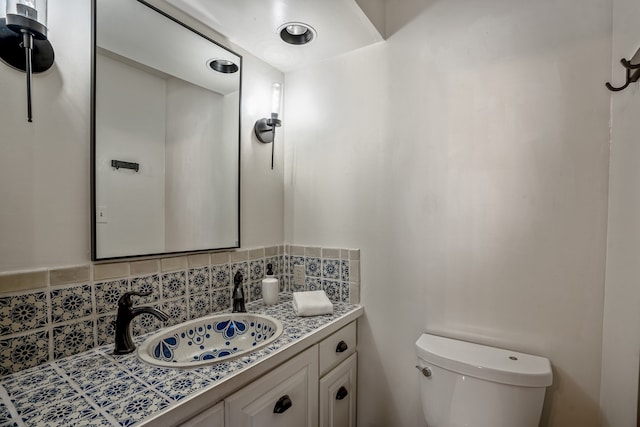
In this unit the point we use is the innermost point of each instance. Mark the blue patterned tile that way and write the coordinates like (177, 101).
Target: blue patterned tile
(91, 371)
(199, 305)
(344, 297)
(332, 289)
(72, 339)
(152, 375)
(71, 303)
(93, 420)
(138, 407)
(181, 386)
(331, 269)
(256, 270)
(19, 382)
(108, 293)
(46, 394)
(221, 276)
(145, 323)
(23, 312)
(119, 390)
(23, 352)
(312, 267)
(199, 280)
(176, 310)
(313, 283)
(174, 284)
(295, 331)
(220, 300)
(285, 264)
(255, 289)
(146, 285)
(281, 264)
(62, 413)
(5, 415)
(344, 267)
(243, 268)
(284, 283)
(218, 371)
(106, 328)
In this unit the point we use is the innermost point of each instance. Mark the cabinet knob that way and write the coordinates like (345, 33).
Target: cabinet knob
(342, 347)
(282, 404)
(342, 393)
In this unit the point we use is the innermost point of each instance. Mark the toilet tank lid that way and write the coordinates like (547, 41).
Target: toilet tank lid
(483, 362)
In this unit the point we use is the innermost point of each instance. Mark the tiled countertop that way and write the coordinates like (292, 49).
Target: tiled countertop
(97, 388)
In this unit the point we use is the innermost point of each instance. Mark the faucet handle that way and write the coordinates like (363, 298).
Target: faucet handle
(125, 299)
(238, 278)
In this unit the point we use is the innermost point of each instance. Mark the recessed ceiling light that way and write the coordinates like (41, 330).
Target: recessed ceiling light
(297, 33)
(223, 66)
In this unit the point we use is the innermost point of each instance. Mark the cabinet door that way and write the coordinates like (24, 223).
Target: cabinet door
(285, 397)
(338, 395)
(212, 417)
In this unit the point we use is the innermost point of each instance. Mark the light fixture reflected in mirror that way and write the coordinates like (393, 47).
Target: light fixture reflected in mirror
(23, 40)
(265, 129)
(223, 66)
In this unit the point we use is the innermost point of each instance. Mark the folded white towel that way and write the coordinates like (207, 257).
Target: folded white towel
(311, 303)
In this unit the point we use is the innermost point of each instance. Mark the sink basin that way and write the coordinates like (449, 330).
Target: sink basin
(210, 339)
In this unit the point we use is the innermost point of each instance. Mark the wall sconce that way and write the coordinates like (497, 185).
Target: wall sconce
(265, 129)
(23, 40)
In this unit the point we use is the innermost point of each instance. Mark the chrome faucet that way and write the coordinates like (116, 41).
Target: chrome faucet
(238, 294)
(126, 312)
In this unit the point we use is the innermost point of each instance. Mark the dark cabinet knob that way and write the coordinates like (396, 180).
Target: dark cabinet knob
(342, 347)
(282, 404)
(342, 393)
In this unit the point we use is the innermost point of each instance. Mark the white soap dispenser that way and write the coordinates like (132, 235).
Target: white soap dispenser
(270, 287)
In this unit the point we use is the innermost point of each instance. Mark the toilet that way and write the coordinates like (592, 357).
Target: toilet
(470, 385)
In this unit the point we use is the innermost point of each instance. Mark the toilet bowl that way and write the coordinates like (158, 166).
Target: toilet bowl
(471, 385)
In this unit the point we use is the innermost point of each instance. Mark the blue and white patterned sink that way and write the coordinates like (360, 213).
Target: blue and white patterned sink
(209, 339)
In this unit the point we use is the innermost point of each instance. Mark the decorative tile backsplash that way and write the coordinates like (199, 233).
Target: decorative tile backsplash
(77, 306)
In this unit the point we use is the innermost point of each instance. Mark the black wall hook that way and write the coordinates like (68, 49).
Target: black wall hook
(632, 68)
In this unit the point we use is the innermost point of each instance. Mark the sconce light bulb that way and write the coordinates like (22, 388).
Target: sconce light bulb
(276, 98)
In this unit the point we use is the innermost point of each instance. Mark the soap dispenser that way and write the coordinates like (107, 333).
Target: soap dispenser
(270, 287)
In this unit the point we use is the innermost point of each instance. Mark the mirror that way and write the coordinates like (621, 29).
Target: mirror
(166, 146)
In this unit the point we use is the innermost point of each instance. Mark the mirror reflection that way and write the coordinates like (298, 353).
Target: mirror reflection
(166, 135)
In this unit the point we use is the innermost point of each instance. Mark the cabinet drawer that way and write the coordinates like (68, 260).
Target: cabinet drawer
(337, 348)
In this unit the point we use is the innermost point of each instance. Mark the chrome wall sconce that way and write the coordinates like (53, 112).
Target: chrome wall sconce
(265, 129)
(23, 40)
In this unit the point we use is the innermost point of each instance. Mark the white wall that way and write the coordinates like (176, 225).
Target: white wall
(468, 158)
(197, 213)
(621, 341)
(132, 103)
(44, 166)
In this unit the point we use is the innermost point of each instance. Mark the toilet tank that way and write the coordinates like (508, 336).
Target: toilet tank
(472, 385)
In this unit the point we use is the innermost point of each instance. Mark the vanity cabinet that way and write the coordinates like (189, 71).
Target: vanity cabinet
(315, 388)
(212, 417)
(285, 397)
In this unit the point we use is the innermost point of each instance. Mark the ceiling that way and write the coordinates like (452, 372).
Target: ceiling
(163, 47)
(341, 26)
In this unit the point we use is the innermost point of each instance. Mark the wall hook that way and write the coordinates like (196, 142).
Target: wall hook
(632, 68)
